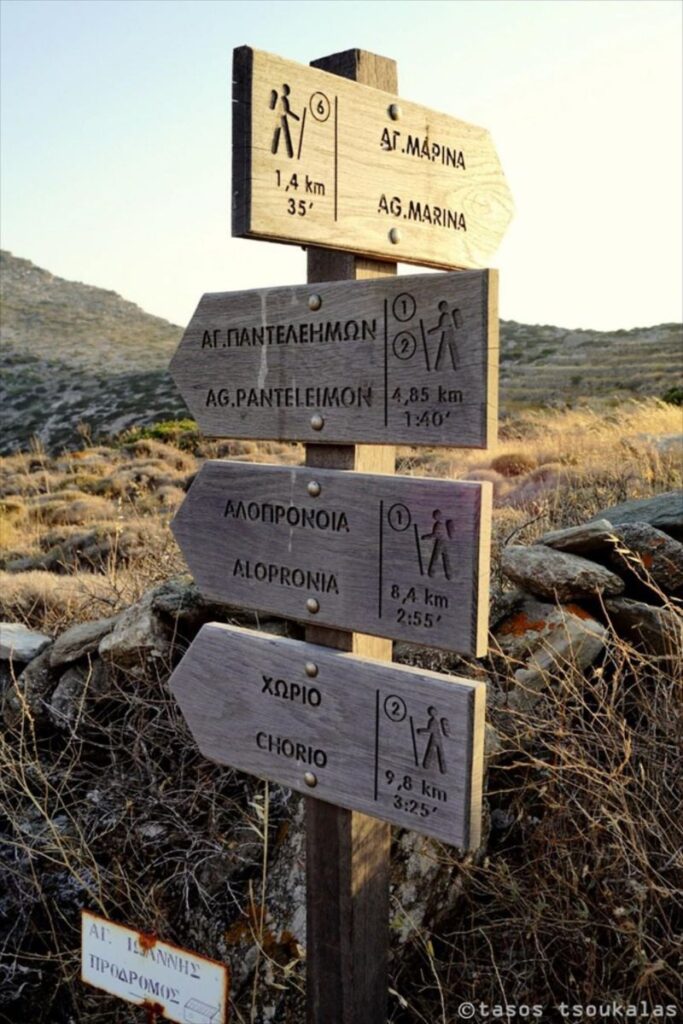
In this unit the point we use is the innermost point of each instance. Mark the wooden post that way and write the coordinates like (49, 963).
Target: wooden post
(347, 853)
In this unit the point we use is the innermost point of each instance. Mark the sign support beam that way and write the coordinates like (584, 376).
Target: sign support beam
(347, 853)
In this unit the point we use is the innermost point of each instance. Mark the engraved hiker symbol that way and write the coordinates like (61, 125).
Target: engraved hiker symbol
(441, 533)
(282, 134)
(450, 320)
(437, 729)
(440, 351)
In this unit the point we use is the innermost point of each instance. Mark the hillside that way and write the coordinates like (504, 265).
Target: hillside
(76, 359)
(551, 365)
(81, 362)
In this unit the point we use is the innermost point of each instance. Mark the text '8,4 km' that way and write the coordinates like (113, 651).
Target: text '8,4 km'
(395, 556)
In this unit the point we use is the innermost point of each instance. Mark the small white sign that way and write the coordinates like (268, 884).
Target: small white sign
(182, 986)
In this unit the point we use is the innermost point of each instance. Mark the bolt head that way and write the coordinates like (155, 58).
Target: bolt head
(310, 779)
(394, 111)
(317, 422)
(311, 669)
(312, 605)
(314, 302)
(313, 488)
(395, 236)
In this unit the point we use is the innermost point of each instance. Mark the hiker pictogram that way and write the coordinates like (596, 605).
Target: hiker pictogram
(437, 729)
(279, 102)
(450, 321)
(441, 533)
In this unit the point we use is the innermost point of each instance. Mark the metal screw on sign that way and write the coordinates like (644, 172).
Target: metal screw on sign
(310, 779)
(317, 422)
(312, 605)
(394, 111)
(395, 236)
(311, 669)
(313, 488)
(314, 302)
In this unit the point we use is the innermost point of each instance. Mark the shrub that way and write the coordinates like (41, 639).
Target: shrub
(673, 395)
(513, 463)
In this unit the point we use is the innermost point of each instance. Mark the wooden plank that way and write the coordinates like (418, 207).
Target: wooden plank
(392, 741)
(410, 360)
(348, 853)
(324, 161)
(394, 556)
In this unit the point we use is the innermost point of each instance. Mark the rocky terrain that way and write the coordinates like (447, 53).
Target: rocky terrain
(106, 803)
(78, 362)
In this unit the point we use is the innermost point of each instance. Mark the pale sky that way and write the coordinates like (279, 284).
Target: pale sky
(115, 145)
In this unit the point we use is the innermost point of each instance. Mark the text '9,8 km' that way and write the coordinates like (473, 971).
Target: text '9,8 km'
(400, 743)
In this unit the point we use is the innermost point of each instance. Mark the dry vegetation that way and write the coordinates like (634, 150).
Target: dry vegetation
(574, 897)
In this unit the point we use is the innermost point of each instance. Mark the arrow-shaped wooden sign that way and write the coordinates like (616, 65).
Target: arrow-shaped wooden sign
(409, 360)
(400, 743)
(394, 556)
(324, 161)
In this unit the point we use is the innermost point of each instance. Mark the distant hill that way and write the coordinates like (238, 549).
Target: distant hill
(543, 365)
(72, 354)
(75, 359)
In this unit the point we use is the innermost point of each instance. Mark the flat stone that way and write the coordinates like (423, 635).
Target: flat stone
(578, 540)
(28, 697)
(648, 554)
(137, 639)
(556, 574)
(79, 640)
(502, 604)
(179, 600)
(573, 649)
(67, 703)
(657, 630)
(665, 511)
(19, 644)
(544, 640)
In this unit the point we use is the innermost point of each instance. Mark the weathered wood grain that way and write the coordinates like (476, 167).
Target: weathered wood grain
(324, 161)
(395, 742)
(394, 556)
(410, 360)
(348, 853)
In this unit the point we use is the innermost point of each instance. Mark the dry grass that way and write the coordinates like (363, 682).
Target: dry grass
(574, 896)
(578, 896)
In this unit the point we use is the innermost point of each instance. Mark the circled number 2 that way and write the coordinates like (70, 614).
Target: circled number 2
(395, 708)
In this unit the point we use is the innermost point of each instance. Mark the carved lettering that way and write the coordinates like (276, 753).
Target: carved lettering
(315, 580)
(284, 747)
(292, 515)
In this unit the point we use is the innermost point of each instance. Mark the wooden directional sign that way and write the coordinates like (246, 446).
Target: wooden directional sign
(398, 557)
(403, 744)
(409, 360)
(321, 160)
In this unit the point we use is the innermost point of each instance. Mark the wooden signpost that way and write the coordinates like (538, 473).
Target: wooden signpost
(328, 157)
(319, 160)
(410, 359)
(399, 557)
(400, 743)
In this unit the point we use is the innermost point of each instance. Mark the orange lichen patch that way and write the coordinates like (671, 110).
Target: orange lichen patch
(647, 559)
(147, 940)
(237, 932)
(520, 623)
(578, 611)
(152, 1011)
